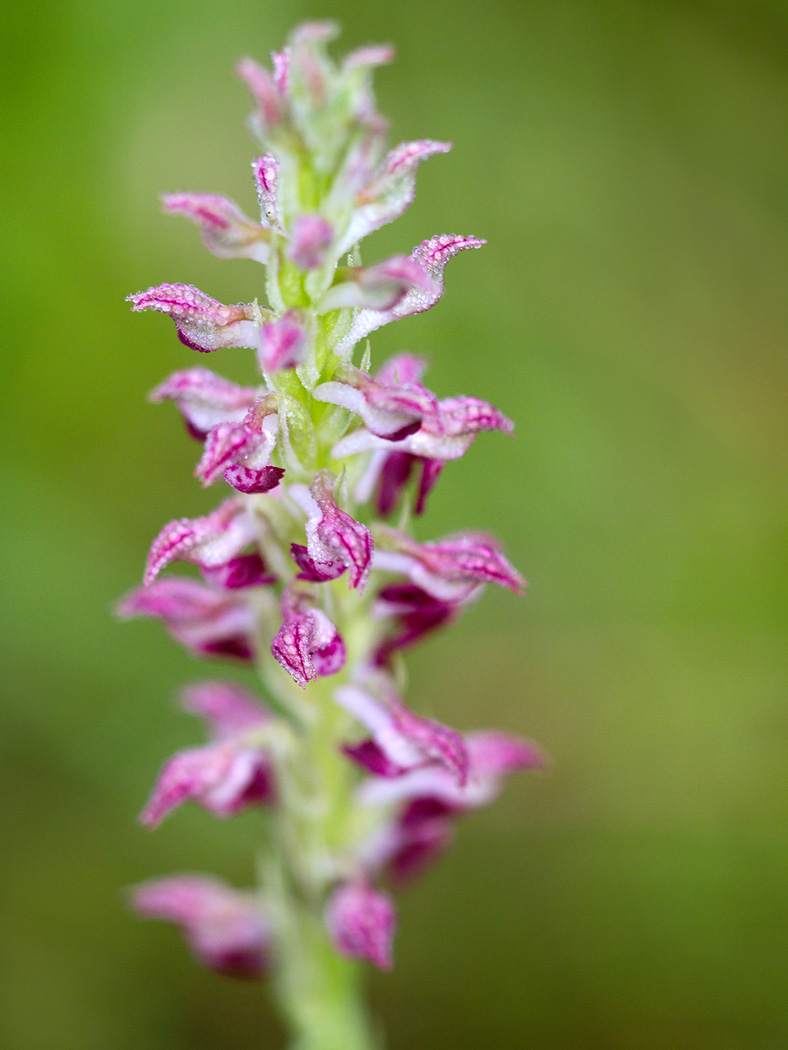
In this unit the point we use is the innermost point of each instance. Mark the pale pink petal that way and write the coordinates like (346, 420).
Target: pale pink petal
(311, 238)
(225, 929)
(266, 94)
(247, 444)
(379, 289)
(207, 621)
(391, 191)
(449, 569)
(209, 541)
(361, 921)
(223, 778)
(228, 709)
(203, 323)
(266, 178)
(335, 540)
(431, 256)
(226, 231)
(283, 343)
(407, 740)
(368, 57)
(205, 399)
(391, 410)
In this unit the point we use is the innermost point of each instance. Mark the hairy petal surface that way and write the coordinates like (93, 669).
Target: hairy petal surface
(223, 778)
(407, 740)
(307, 644)
(205, 399)
(210, 541)
(450, 569)
(203, 323)
(431, 257)
(335, 540)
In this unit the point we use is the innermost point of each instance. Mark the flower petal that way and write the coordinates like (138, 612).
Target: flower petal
(226, 707)
(266, 94)
(205, 399)
(431, 256)
(225, 929)
(253, 482)
(391, 191)
(450, 569)
(223, 778)
(226, 231)
(392, 410)
(209, 541)
(307, 644)
(335, 540)
(311, 238)
(203, 323)
(207, 621)
(283, 343)
(266, 178)
(406, 739)
(361, 921)
(379, 288)
(247, 570)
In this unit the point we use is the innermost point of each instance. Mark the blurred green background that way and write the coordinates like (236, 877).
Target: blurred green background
(628, 164)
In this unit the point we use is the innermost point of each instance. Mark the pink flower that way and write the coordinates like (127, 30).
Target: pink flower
(226, 231)
(403, 740)
(335, 541)
(207, 621)
(361, 921)
(431, 257)
(203, 323)
(226, 775)
(450, 570)
(427, 799)
(225, 929)
(307, 644)
(205, 400)
(213, 542)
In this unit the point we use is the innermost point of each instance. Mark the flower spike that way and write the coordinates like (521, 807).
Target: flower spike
(295, 570)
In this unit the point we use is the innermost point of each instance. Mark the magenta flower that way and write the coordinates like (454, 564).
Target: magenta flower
(204, 619)
(227, 774)
(357, 784)
(224, 928)
(361, 921)
(335, 542)
(307, 644)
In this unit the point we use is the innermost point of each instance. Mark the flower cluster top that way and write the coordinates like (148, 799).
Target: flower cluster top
(299, 456)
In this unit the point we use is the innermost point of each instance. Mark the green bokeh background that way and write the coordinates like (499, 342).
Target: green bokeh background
(628, 163)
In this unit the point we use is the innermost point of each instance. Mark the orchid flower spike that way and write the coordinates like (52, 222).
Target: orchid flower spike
(293, 574)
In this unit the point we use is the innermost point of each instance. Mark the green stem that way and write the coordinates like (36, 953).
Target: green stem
(318, 991)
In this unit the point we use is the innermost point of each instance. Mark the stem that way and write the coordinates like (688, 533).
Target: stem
(318, 991)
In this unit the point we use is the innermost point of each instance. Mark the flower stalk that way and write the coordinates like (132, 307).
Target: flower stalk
(299, 573)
